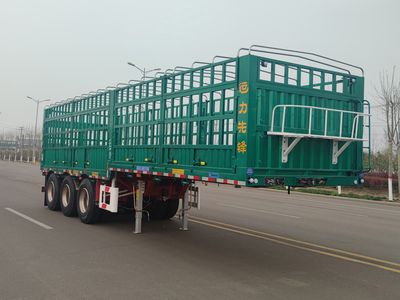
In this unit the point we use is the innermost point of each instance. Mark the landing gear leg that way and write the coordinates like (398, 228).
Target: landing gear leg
(185, 207)
(139, 206)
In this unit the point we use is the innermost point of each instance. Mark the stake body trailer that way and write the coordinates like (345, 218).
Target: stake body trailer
(250, 120)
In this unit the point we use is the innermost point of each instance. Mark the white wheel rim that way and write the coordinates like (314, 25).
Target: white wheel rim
(83, 200)
(50, 191)
(65, 195)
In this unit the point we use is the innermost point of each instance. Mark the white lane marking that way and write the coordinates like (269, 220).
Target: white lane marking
(260, 210)
(29, 218)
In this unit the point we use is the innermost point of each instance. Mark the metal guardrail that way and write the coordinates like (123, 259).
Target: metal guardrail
(337, 150)
(354, 130)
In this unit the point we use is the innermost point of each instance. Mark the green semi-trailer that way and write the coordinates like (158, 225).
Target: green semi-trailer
(247, 121)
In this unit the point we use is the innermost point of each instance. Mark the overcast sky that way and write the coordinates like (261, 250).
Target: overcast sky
(60, 49)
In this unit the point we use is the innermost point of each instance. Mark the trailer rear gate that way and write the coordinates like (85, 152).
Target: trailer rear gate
(250, 120)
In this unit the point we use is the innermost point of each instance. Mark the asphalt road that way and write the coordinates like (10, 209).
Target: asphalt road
(242, 244)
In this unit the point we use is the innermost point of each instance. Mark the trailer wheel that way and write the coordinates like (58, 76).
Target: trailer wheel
(172, 208)
(163, 210)
(156, 209)
(52, 192)
(86, 206)
(68, 197)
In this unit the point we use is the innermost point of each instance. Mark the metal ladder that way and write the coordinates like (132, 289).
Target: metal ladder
(367, 107)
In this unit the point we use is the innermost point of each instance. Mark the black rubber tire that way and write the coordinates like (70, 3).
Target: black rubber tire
(163, 210)
(172, 208)
(52, 192)
(88, 211)
(156, 209)
(68, 197)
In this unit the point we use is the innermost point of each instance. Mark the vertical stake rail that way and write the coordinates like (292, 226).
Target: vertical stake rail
(341, 124)
(139, 206)
(185, 207)
(310, 120)
(326, 123)
(356, 129)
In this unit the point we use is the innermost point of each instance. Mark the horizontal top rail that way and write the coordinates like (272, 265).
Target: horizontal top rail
(254, 48)
(302, 57)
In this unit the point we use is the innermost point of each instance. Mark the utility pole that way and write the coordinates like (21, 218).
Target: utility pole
(5, 146)
(16, 145)
(143, 71)
(28, 145)
(36, 119)
(4, 131)
(20, 142)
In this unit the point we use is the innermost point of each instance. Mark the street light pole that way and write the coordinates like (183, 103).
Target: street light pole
(36, 119)
(144, 71)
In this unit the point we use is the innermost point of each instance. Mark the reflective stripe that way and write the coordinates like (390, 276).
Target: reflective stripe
(193, 177)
